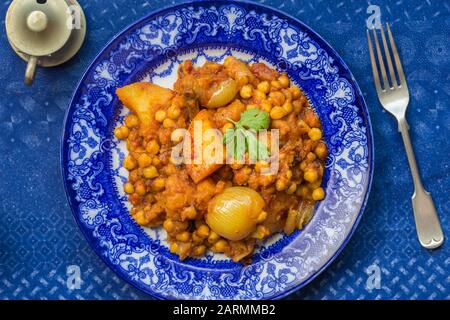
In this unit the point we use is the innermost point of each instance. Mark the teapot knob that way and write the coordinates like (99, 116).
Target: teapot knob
(37, 21)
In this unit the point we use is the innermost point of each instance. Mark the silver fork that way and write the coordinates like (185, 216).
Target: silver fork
(394, 98)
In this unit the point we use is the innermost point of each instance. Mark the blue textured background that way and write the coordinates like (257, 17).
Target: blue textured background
(39, 238)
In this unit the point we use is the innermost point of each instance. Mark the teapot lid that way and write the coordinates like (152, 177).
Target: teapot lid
(38, 27)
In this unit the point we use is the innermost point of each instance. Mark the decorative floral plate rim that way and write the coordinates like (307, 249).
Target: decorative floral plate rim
(249, 273)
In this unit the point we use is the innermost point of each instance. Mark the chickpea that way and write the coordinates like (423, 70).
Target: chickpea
(173, 112)
(131, 121)
(315, 134)
(140, 188)
(296, 93)
(227, 126)
(168, 123)
(121, 132)
(321, 151)
(160, 115)
(287, 94)
(128, 188)
(170, 169)
(177, 135)
(196, 239)
(133, 176)
(252, 106)
(266, 106)
(288, 106)
(259, 95)
(292, 188)
(275, 84)
(129, 163)
(213, 237)
(246, 91)
(220, 246)
(156, 161)
(297, 104)
(174, 247)
(280, 185)
(318, 194)
(284, 81)
(277, 97)
(199, 250)
(289, 174)
(183, 236)
(144, 160)
(277, 113)
(264, 86)
(152, 147)
(150, 172)
(140, 218)
(310, 175)
(168, 225)
(311, 157)
(159, 184)
(203, 231)
(303, 165)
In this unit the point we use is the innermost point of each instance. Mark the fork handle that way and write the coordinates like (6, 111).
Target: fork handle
(428, 227)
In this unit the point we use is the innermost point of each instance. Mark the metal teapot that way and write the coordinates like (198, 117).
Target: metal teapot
(45, 33)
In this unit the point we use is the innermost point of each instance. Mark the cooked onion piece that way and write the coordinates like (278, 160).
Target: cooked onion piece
(224, 94)
(234, 213)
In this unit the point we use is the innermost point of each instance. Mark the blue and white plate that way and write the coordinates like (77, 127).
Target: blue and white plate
(151, 49)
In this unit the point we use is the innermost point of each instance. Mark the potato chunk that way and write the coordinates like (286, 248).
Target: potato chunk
(200, 171)
(144, 99)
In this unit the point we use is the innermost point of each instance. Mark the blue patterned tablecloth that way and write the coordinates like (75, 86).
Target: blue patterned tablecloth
(41, 246)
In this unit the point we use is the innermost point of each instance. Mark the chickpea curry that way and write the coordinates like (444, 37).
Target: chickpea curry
(226, 208)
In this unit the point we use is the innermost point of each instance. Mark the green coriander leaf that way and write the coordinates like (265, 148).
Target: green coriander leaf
(240, 144)
(256, 149)
(263, 151)
(254, 119)
(252, 144)
(235, 143)
(240, 139)
(229, 141)
(228, 136)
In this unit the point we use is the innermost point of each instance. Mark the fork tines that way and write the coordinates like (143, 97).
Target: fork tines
(394, 81)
